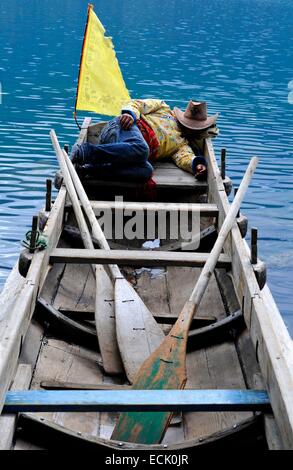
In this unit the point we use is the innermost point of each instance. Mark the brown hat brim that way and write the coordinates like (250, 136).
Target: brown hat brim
(193, 123)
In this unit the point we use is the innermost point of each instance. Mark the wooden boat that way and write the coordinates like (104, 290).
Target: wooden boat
(237, 341)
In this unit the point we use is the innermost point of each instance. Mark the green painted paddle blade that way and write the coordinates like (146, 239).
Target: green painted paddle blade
(142, 427)
(164, 369)
(149, 427)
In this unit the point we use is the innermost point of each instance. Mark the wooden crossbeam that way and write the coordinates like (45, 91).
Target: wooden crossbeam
(136, 400)
(205, 210)
(134, 258)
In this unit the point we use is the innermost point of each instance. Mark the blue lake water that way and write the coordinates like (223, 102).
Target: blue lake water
(235, 54)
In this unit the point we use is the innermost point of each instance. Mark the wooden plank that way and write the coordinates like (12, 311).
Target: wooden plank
(161, 295)
(52, 231)
(269, 335)
(211, 368)
(166, 176)
(32, 343)
(59, 385)
(14, 326)
(275, 355)
(162, 183)
(51, 283)
(134, 400)
(72, 233)
(76, 330)
(76, 289)
(272, 433)
(8, 422)
(10, 292)
(165, 163)
(134, 258)
(153, 291)
(66, 362)
(63, 362)
(149, 298)
(205, 210)
(211, 303)
(84, 130)
(175, 176)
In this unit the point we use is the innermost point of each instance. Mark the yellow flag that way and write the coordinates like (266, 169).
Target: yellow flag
(101, 87)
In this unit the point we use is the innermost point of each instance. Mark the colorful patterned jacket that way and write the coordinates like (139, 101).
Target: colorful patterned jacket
(158, 115)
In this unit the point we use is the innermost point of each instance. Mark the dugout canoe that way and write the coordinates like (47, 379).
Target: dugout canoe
(238, 340)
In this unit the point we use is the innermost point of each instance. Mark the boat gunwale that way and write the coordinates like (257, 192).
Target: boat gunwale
(14, 326)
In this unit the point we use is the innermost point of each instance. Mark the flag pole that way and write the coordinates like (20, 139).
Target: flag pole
(90, 7)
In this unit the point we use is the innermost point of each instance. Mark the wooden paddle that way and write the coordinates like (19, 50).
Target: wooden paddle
(166, 367)
(138, 333)
(104, 288)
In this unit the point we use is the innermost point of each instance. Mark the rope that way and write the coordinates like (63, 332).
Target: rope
(41, 241)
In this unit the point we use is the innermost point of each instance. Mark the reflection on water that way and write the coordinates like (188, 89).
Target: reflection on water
(233, 53)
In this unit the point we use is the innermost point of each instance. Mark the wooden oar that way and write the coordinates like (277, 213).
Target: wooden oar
(166, 367)
(104, 288)
(138, 333)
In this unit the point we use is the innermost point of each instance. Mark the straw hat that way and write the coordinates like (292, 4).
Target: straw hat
(195, 116)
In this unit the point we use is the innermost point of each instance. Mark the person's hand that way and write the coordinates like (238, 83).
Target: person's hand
(126, 121)
(200, 172)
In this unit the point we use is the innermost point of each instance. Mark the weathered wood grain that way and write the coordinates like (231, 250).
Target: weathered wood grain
(8, 422)
(134, 257)
(205, 210)
(60, 361)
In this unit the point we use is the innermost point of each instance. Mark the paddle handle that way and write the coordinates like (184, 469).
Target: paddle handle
(84, 231)
(72, 180)
(210, 265)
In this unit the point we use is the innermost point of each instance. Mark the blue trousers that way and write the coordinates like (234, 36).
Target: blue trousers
(120, 153)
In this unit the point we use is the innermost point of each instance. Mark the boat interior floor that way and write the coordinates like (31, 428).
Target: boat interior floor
(71, 288)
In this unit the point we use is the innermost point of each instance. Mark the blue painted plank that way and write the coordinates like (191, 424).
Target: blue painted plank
(136, 400)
